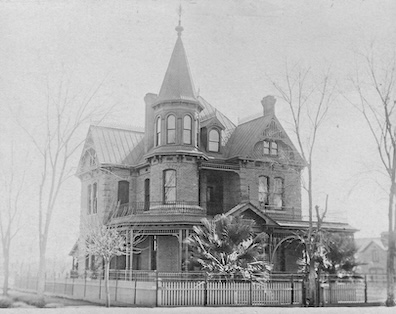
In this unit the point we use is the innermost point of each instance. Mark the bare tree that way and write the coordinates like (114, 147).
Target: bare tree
(64, 115)
(375, 87)
(10, 213)
(308, 99)
(107, 242)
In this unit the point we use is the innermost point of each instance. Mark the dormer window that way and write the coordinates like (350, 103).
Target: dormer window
(171, 130)
(187, 130)
(158, 132)
(214, 141)
(270, 148)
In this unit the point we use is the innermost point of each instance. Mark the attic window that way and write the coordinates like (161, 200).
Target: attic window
(214, 140)
(270, 148)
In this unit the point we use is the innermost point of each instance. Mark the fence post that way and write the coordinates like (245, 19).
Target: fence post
(251, 293)
(65, 285)
(85, 283)
(303, 293)
(72, 287)
(116, 288)
(100, 287)
(206, 290)
(365, 288)
(156, 289)
(292, 290)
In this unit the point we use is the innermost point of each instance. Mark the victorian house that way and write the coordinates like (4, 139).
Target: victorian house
(190, 162)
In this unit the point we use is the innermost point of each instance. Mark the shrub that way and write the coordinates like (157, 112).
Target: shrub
(31, 300)
(5, 302)
(20, 304)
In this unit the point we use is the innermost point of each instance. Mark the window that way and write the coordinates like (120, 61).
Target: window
(146, 194)
(123, 192)
(171, 130)
(169, 186)
(94, 198)
(375, 256)
(89, 200)
(158, 132)
(263, 190)
(187, 130)
(278, 193)
(270, 148)
(274, 149)
(214, 140)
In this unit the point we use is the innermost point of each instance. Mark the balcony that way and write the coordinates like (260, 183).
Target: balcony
(281, 213)
(154, 208)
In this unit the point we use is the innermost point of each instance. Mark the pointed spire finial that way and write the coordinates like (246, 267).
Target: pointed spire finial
(179, 28)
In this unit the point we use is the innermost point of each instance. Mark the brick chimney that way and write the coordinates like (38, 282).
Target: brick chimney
(268, 103)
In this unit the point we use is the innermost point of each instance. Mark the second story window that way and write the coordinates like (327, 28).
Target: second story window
(375, 256)
(92, 199)
(278, 193)
(123, 192)
(214, 141)
(171, 130)
(270, 148)
(89, 199)
(158, 132)
(187, 130)
(95, 198)
(169, 186)
(263, 190)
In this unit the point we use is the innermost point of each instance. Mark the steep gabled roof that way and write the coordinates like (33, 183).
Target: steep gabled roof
(177, 83)
(363, 244)
(210, 112)
(246, 135)
(115, 145)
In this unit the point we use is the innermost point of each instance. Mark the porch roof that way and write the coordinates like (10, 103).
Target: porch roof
(330, 226)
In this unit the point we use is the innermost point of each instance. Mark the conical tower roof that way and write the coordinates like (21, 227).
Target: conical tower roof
(178, 83)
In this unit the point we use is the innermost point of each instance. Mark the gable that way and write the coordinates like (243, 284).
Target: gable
(250, 211)
(111, 146)
(247, 141)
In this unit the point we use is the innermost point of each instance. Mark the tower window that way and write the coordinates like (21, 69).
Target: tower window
(187, 130)
(171, 129)
(169, 186)
(95, 198)
(158, 132)
(214, 140)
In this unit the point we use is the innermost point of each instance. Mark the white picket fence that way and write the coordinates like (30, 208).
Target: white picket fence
(212, 293)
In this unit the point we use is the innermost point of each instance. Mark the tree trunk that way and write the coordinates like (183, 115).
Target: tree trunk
(107, 289)
(41, 272)
(6, 261)
(390, 273)
(311, 284)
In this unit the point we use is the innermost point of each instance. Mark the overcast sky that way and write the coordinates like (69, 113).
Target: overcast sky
(232, 47)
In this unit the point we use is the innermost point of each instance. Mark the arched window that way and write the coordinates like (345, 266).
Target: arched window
(158, 132)
(187, 130)
(169, 186)
(95, 198)
(278, 193)
(171, 129)
(214, 140)
(263, 190)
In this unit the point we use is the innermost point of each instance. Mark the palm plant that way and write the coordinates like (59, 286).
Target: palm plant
(228, 246)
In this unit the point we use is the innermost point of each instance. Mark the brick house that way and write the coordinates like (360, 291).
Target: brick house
(190, 162)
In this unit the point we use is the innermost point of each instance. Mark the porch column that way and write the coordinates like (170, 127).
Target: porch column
(131, 253)
(180, 249)
(186, 251)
